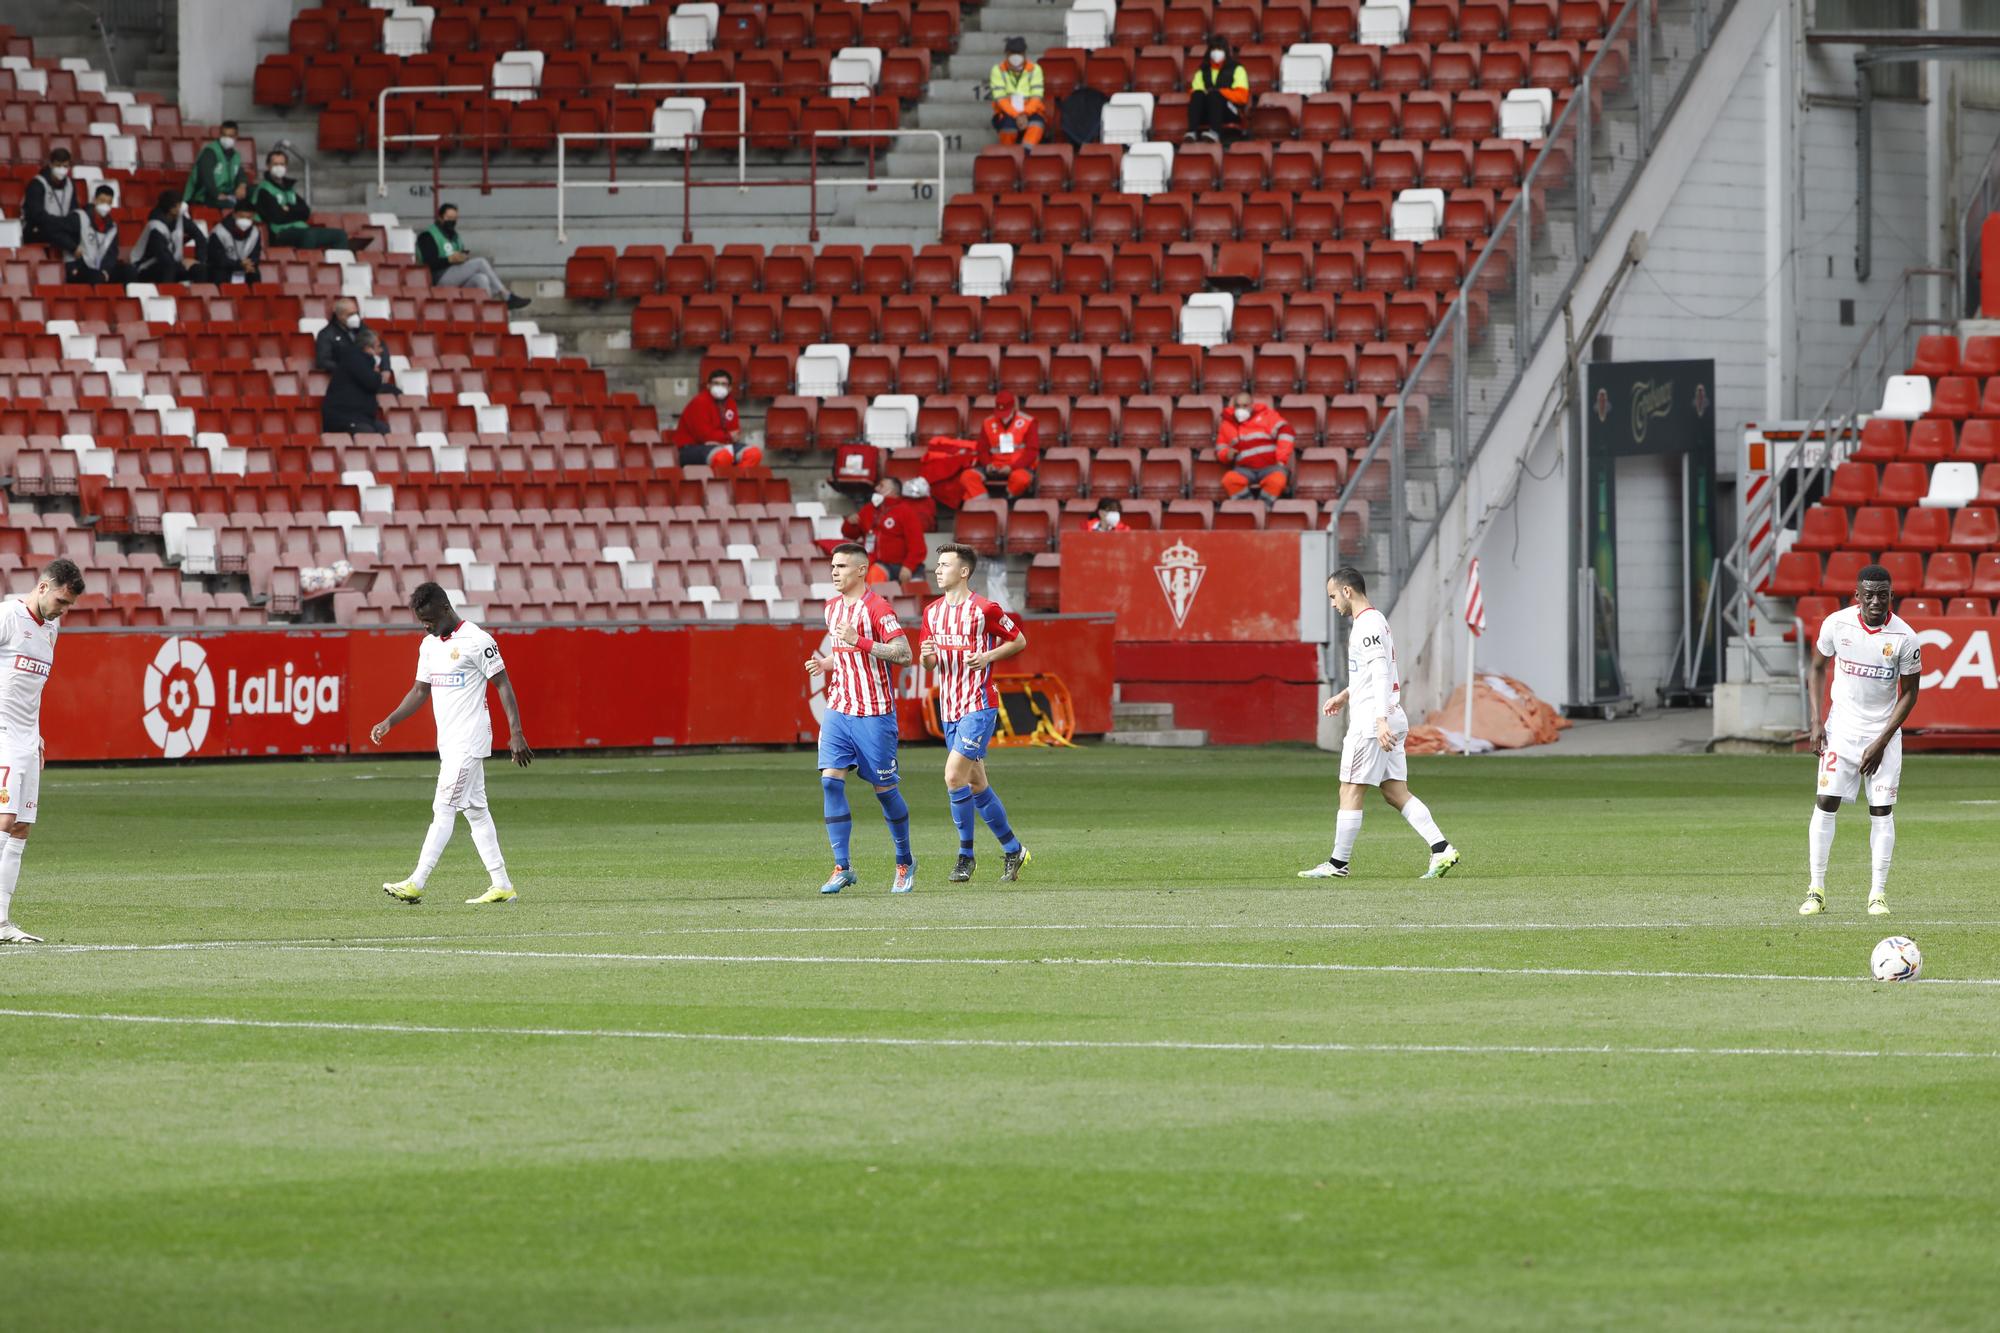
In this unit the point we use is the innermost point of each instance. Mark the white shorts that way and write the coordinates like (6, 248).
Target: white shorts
(20, 783)
(461, 785)
(1840, 771)
(1364, 761)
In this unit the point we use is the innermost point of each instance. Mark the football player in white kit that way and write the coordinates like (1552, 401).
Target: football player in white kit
(454, 664)
(27, 657)
(1373, 755)
(1876, 664)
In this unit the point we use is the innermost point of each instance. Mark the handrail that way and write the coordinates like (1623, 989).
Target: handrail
(383, 138)
(1837, 431)
(873, 181)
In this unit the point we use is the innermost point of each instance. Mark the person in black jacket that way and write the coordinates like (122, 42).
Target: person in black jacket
(360, 375)
(48, 213)
(235, 247)
(168, 232)
(97, 258)
(343, 325)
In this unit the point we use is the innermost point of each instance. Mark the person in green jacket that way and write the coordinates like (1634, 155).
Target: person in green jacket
(286, 215)
(217, 180)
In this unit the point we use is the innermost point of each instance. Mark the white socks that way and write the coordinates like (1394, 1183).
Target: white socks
(486, 837)
(1346, 828)
(435, 838)
(1420, 819)
(11, 850)
(1819, 846)
(1881, 846)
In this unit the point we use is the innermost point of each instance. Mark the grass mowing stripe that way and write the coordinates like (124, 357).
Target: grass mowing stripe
(1194, 964)
(985, 1043)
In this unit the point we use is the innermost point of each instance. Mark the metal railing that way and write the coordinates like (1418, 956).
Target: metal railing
(871, 181)
(1518, 285)
(383, 138)
(1923, 300)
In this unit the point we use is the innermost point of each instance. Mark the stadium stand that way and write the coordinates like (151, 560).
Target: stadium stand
(168, 437)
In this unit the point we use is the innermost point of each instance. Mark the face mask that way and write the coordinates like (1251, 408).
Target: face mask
(104, 210)
(718, 391)
(228, 141)
(1216, 56)
(352, 321)
(278, 173)
(1015, 62)
(60, 173)
(1111, 517)
(449, 228)
(878, 499)
(1242, 414)
(242, 226)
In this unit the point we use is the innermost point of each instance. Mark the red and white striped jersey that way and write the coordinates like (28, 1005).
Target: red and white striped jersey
(974, 625)
(859, 685)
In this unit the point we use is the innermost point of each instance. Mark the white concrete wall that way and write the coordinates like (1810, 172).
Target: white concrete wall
(218, 43)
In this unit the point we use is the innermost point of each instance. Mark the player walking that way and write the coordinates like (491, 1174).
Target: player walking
(27, 657)
(964, 635)
(454, 664)
(1876, 664)
(859, 730)
(1373, 755)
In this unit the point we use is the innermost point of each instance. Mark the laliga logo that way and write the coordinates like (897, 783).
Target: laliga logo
(303, 697)
(1180, 572)
(179, 695)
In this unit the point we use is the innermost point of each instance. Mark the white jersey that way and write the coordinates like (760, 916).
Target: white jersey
(1374, 685)
(1868, 665)
(457, 667)
(27, 657)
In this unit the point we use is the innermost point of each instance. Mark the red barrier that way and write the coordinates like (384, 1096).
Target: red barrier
(124, 695)
(1239, 693)
(1186, 586)
(1960, 695)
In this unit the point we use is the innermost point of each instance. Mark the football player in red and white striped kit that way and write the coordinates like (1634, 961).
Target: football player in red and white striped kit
(964, 635)
(859, 730)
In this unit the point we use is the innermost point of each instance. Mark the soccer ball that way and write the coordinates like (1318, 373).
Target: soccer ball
(1897, 959)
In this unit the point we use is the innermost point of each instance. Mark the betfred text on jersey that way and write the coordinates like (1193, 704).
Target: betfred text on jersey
(301, 697)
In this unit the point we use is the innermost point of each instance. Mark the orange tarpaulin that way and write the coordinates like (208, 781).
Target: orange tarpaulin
(1506, 715)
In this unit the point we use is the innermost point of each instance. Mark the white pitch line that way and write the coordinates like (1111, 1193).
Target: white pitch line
(1171, 964)
(985, 1043)
(1064, 927)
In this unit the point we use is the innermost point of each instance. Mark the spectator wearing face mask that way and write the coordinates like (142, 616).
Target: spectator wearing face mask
(288, 217)
(48, 213)
(360, 376)
(236, 247)
(1256, 442)
(452, 265)
(168, 233)
(1219, 96)
(892, 527)
(1019, 113)
(1109, 518)
(343, 324)
(1010, 448)
(217, 180)
(709, 433)
(97, 260)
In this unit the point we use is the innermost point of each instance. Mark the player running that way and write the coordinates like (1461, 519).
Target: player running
(1879, 664)
(454, 664)
(1373, 755)
(964, 635)
(859, 730)
(27, 657)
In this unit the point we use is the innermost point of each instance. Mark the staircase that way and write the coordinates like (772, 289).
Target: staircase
(1151, 725)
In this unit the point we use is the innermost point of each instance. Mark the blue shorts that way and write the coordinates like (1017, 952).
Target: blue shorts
(866, 743)
(971, 734)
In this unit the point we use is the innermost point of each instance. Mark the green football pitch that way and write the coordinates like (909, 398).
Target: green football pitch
(1603, 1076)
